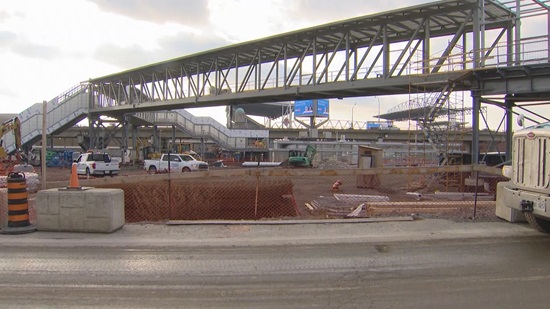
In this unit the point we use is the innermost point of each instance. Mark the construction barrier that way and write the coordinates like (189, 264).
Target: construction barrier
(294, 193)
(18, 205)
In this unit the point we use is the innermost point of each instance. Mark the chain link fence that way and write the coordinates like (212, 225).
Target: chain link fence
(455, 192)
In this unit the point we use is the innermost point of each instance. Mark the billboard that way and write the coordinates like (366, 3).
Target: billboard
(303, 108)
(310, 108)
(322, 108)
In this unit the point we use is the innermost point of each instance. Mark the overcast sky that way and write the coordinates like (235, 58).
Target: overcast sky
(46, 47)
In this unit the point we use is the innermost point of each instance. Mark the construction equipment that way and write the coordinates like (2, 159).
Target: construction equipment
(10, 131)
(297, 159)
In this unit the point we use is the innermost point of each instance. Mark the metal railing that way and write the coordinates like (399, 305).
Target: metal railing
(205, 127)
(65, 109)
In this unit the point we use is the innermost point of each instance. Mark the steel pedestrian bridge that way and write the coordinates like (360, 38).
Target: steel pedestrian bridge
(437, 48)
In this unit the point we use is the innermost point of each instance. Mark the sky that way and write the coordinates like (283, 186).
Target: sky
(47, 47)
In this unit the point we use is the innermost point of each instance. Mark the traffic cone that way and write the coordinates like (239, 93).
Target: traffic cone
(73, 183)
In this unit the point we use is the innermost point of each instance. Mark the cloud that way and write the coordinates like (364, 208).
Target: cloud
(124, 57)
(27, 49)
(10, 41)
(4, 16)
(188, 12)
(7, 39)
(330, 10)
(182, 44)
(186, 44)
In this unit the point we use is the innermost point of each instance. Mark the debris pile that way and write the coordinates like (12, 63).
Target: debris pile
(356, 205)
(327, 164)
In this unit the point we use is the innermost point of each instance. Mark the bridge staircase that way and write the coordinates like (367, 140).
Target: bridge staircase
(203, 127)
(63, 112)
(444, 127)
(443, 122)
(71, 107)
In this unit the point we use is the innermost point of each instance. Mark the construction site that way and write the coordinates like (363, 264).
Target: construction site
(435, 153)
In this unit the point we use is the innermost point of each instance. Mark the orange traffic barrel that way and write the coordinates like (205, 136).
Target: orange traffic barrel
(18, 205)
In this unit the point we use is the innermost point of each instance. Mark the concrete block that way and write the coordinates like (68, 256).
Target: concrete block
(92, 210)
(96, 224)
(53, 204)
(71, 218)
(68, 199)
(49, 203)
(48, 221)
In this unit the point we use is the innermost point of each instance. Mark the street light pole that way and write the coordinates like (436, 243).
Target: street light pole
(352, 115)
(378, 112)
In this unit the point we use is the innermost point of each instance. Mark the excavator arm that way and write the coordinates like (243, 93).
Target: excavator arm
(13, 126)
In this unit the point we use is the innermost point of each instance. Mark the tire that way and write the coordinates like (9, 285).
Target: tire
(88, 174)
(185, 170)
(538, 223)
(152, 169)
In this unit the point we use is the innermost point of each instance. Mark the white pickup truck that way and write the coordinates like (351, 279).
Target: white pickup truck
(175, 163)
(96, 164)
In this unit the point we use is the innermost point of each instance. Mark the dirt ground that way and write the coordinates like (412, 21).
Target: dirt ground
(318, 191)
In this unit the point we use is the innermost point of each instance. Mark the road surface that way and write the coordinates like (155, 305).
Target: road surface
(483, 270)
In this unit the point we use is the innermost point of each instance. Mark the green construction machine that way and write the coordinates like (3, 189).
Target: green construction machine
(297, 159)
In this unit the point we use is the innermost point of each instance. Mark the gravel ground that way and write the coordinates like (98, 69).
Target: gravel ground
(308, 189)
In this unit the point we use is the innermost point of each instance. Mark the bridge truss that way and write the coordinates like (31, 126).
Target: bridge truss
(412, 50)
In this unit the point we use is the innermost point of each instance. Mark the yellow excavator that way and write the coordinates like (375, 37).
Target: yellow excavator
(13, 127)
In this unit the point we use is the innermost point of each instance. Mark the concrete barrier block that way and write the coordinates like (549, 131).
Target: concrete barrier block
(71, 218)
(71, 199)
(91, 210)
(48, 221)
(53, 204)
(47, 203)
(97, 224)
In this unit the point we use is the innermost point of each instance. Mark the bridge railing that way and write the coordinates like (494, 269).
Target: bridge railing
(63, 110)
(205, 127)
(533, 50)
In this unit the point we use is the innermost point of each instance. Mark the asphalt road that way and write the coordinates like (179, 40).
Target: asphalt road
(480, 269)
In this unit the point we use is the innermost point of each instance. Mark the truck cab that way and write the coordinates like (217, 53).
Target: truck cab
(528, 191)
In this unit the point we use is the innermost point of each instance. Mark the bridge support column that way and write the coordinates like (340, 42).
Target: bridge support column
(173, 143)
(476, 108)
(156, 142)
(509, 126)
(517, 42)
(125, 136)
(134, 144)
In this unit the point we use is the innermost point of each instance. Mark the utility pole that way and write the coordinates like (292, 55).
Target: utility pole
(352, 115)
